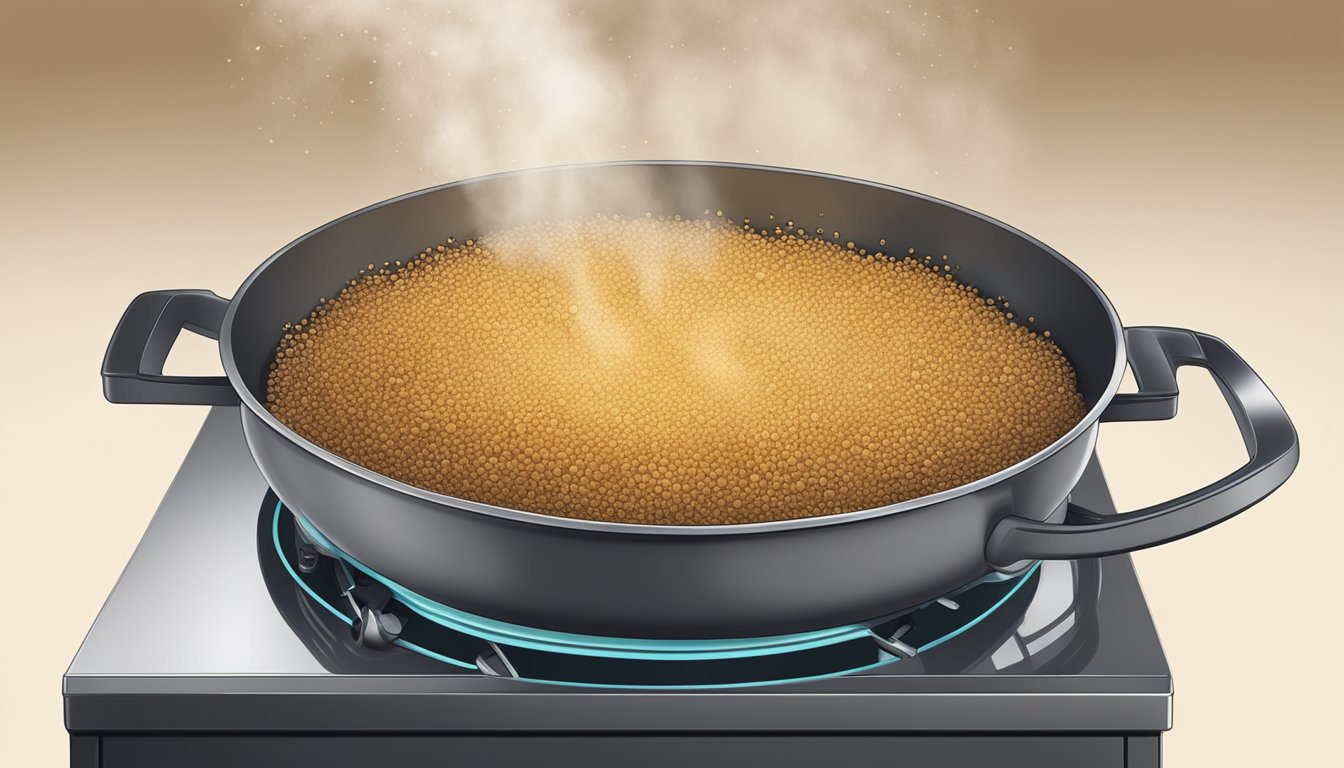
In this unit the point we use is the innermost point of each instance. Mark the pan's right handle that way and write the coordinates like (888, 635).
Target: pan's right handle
(1271, 445)
(133, 365)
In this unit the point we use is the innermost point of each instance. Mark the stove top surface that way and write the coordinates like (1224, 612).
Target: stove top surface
(198, 635)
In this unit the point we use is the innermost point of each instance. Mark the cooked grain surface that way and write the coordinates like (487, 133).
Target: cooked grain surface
(672, 372)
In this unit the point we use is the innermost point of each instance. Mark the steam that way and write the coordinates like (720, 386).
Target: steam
(482, 86)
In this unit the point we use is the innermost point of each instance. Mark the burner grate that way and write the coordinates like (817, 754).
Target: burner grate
(378, 612)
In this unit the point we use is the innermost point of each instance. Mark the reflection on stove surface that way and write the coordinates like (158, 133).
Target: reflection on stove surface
(1042, 621)
(1056, 631)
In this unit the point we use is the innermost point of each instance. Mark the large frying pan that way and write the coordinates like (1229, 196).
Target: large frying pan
(761, 579)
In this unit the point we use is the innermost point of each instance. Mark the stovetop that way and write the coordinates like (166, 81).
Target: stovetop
(200, 635)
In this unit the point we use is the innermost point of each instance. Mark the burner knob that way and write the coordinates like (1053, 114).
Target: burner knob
(893, 643)
(308, 558)
(494, 663)
(375, 629)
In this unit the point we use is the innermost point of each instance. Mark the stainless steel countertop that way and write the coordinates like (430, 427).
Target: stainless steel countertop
(191, 640)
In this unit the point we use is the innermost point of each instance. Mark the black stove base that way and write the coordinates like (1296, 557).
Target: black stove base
(595, 751)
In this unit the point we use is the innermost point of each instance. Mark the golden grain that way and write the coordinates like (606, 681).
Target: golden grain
(670, 371)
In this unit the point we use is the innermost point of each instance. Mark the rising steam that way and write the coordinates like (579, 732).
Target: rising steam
(862, 88)
(476, 87)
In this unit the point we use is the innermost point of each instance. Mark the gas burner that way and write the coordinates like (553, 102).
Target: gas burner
(378, 615)
(259, 664)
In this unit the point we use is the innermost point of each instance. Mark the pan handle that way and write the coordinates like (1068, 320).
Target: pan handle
(133, 365)
(1155, 355)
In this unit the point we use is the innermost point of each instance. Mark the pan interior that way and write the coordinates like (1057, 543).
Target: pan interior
(996, 259)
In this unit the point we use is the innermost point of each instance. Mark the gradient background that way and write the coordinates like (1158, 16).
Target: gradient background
(1186, 155)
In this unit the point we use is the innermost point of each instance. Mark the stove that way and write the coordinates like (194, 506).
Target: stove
(238, 635)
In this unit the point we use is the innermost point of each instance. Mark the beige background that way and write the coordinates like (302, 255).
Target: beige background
(1186, 155)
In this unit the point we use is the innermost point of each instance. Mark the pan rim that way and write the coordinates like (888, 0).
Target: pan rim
(247, 399)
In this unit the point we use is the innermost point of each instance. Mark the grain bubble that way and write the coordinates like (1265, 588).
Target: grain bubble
(759, 377)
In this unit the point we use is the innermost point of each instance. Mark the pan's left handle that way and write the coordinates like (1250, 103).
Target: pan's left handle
(133, 365)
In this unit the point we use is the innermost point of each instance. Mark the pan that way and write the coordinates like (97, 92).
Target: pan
(728, 581)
